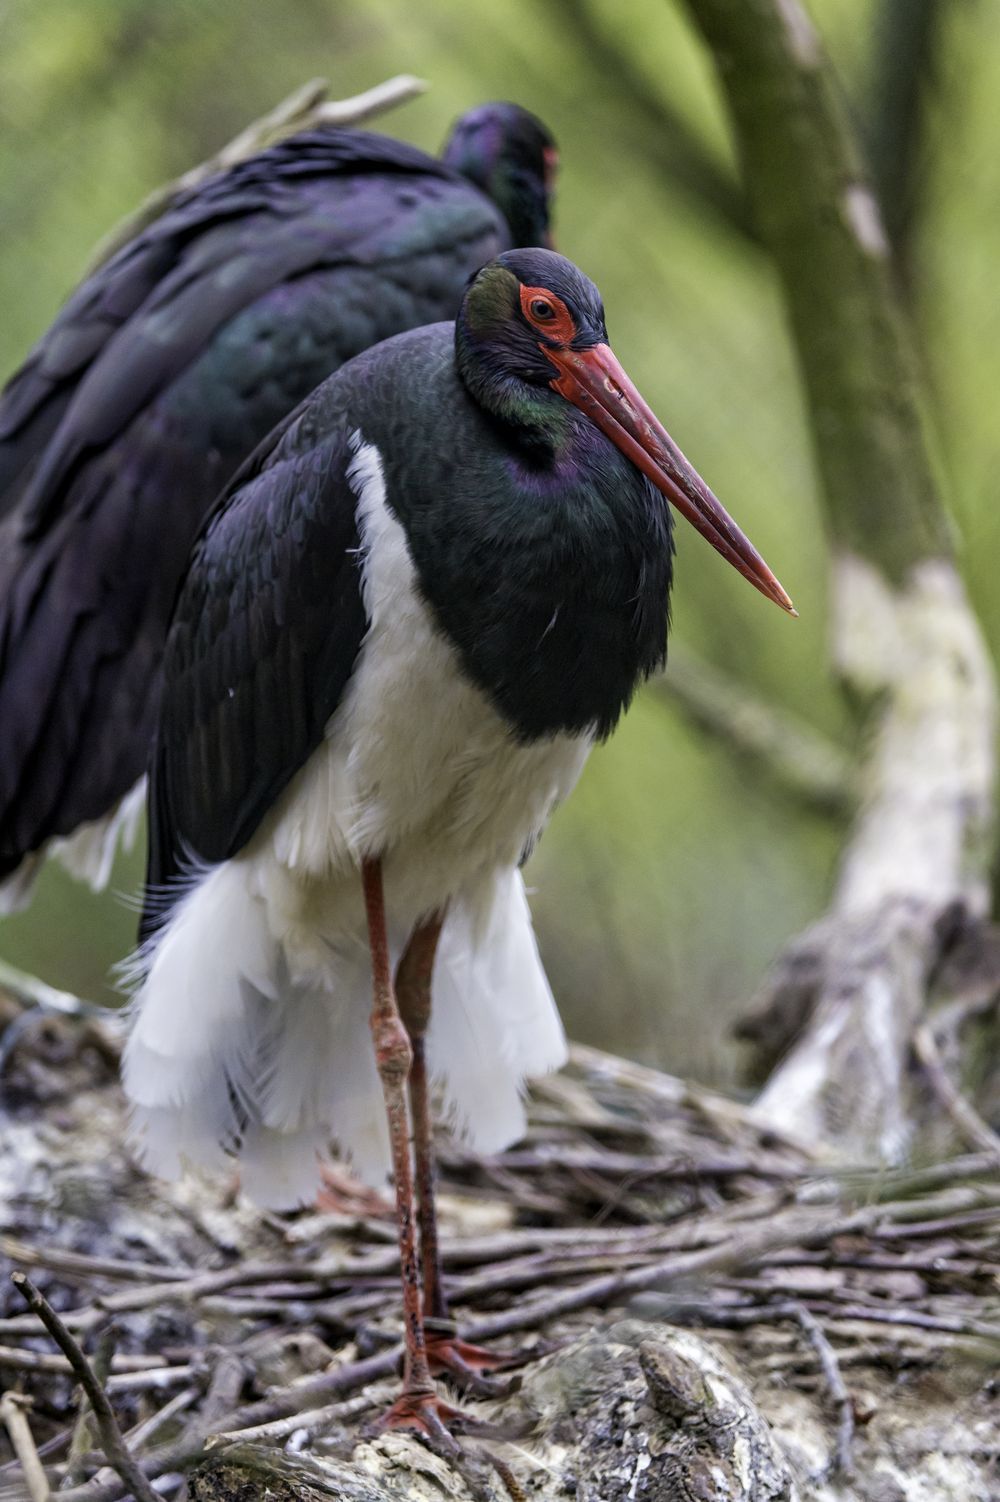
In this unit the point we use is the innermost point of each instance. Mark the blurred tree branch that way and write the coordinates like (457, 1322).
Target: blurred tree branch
(906, 44)
(846, 998)
(804, 763)
(661, 133)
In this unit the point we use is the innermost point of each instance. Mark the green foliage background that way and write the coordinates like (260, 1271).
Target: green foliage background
(674, 874)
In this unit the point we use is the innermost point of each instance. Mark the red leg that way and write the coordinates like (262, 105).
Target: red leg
(413, 989)
(446, 1352)
(418, 1407)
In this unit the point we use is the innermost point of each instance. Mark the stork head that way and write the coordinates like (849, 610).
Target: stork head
(532, 323)
(510, 154)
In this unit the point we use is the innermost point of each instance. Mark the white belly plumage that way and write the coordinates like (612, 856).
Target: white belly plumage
(251, 1020)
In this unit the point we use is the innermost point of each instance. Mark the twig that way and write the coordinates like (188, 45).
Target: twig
(13, 1411)
(843, 1455)
(917, 1181)
(805, 763)
(70, 1264)
(280, 1404)
(153, 1379)
(970, 1124)
(32, 992)
(939, 1225)
(305, 108)
(931, 1264)
(81, 1441)
(131, 1374)
(619, 1165)
(143, 1433)
(203, 1284)
(718, 1109)
(32, 1361)
(83, 1320)
(310, 1421)
(916, 1319)
(224, 1388)
(374, 101)
(111, 1435)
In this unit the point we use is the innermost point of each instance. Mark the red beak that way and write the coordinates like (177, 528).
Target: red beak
(593, 380)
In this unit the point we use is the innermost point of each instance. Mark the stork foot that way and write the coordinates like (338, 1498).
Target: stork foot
(343, 1194)
(471, 1367)
(426, 1414)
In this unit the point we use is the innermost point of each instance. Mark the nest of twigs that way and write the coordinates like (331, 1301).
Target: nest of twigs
(211, 1327)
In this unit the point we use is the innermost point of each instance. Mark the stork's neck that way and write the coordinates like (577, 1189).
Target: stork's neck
(518, 189)
(536, 419)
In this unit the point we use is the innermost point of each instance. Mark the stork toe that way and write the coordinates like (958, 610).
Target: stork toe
(471, 1367)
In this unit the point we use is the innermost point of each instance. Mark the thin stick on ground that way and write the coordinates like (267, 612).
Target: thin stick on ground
(13, 1411)
(968, 1122)
(191, 1446)
(842, 1463)
(144, 1432)
(311, 1420)
(83, 1438)
(111, 1436)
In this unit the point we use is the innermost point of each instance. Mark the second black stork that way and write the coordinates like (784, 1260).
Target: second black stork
(164, 370)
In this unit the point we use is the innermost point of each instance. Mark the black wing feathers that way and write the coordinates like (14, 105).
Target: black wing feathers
(82, 620)
(139, 319)
(270, 614)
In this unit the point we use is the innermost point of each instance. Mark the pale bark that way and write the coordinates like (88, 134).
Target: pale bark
(846, 998)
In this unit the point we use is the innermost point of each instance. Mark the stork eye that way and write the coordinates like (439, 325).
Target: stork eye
(545, 311)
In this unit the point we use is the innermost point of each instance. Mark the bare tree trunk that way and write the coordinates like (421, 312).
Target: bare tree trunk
(843, 1002)
(907, 36)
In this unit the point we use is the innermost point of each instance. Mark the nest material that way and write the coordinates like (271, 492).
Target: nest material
(716, 1309)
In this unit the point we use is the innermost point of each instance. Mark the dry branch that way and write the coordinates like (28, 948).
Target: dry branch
(843, 1455)
(14, 1409)
(304, 109)
(111, 1436)
(971, 1127)
(804, 763)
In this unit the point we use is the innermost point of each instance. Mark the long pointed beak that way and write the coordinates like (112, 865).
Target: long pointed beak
(593, 380)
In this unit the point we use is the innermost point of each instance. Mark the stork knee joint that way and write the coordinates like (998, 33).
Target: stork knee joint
(393, 1051)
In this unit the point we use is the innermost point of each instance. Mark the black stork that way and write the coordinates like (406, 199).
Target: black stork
(428, 594)
(164, 370)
